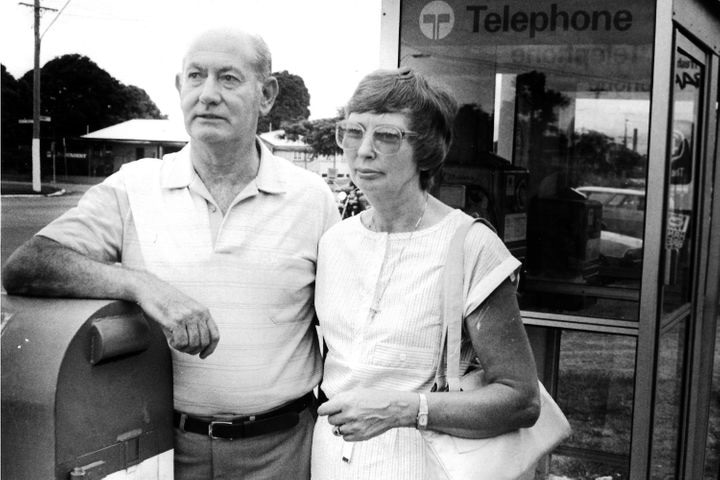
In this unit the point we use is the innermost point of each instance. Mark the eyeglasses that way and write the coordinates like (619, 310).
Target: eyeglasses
(386, 139)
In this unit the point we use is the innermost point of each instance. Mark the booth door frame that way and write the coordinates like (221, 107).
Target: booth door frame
(702, 310)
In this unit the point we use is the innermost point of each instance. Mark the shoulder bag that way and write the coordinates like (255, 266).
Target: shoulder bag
(510, 456)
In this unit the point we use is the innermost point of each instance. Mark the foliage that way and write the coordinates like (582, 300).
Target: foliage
(537, 101)
(599, 155)
(291, 104)
(319, 134)
(12, 132)
(77, 94)
(80, 97)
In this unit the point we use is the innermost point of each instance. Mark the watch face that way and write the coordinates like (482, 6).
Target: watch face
(422, 420)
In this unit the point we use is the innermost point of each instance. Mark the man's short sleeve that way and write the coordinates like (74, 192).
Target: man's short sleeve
(332, 214)
(96, 225)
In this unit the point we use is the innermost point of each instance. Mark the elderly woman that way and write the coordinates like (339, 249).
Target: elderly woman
(378, 297)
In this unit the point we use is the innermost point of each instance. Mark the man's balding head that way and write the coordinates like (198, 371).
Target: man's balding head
(250, 44)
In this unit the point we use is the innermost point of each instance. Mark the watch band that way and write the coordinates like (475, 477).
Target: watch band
(421, 421)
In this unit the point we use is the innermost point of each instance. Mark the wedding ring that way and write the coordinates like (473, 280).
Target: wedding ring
(336, 431)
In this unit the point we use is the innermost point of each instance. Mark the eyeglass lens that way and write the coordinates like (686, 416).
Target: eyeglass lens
(386, 139)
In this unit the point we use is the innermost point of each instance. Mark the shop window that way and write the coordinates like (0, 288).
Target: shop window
(554, 107)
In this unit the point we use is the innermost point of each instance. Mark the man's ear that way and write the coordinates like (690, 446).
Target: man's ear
(270, 90)
(178, 82)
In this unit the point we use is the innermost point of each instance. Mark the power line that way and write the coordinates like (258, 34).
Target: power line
(53, 20)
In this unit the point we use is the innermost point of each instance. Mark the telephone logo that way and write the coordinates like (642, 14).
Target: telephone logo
(437, 20)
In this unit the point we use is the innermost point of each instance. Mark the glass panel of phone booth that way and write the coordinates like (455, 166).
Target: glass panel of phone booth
(596, 376)
(551, 113)
(678, 265)
(712, 449)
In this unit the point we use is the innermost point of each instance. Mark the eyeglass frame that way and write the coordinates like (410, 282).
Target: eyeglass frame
(403, 134)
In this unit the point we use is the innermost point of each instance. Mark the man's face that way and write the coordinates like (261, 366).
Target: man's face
(220, 94)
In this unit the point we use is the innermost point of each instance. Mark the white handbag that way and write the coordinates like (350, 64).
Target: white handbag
(510, 456)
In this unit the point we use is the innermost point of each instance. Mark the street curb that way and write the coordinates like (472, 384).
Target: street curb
(59, 193)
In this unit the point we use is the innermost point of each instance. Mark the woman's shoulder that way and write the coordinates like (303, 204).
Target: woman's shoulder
(481, 234)
(342, 229)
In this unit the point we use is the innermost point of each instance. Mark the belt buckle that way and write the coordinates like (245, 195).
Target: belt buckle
(212, 424)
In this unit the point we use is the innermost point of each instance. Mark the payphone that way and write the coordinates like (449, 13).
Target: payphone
(494, 189)
(86, 391)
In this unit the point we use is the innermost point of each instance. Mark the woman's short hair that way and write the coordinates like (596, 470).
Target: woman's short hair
(430, 108)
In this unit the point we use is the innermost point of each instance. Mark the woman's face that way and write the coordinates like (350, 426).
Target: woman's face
(381, 173)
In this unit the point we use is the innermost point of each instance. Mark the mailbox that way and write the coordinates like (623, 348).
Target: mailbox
(86, 391)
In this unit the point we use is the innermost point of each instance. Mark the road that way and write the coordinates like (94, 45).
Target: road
(22, 217)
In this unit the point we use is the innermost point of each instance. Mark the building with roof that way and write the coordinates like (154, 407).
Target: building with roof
(141, 138)
(124, 142)
(302, 155)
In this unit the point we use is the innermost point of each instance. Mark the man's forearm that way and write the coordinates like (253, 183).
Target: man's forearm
(43, 267)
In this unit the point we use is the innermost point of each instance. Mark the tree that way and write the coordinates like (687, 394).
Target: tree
(80, 97)
(12, 131)
(77, 94)
(605, 162)
(319, 134)
(291, 104)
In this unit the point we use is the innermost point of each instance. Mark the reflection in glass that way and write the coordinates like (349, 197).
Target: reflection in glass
(668, 398)
(677, 268)
(549, 128)
(712, 449)
(679, 230)
(595, 390)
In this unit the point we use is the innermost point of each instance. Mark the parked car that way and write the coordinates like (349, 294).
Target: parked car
(623, 208)
(621, 242)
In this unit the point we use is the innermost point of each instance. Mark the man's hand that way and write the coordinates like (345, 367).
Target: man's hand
(43, 267)
(363, 413)
(187, 324)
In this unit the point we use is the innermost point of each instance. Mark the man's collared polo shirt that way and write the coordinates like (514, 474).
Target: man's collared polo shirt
(254, 268)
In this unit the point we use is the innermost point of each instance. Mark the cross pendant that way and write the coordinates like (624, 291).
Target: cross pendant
(373, 311)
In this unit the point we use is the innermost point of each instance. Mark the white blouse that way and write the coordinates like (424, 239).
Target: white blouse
(395, 348)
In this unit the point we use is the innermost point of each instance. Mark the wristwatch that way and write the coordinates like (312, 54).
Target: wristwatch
(421, 422)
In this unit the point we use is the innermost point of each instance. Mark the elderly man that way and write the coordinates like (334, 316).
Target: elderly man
(217, 243)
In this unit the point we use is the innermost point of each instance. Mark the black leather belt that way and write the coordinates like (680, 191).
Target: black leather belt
(282, 418)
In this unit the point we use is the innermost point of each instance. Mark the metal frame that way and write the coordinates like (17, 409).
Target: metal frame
(390, 34)
(700, 366)
(700, 24)
(649, 304)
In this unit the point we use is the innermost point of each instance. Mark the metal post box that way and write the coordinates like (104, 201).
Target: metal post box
(86, 391)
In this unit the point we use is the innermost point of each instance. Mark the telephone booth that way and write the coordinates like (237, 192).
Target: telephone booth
(587, 133)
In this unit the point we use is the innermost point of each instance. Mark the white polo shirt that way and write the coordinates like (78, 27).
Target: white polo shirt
(254, 268)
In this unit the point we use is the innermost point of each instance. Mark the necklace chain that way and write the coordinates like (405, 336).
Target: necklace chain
(375, 308)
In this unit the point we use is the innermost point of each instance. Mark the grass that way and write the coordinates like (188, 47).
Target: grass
(595, 390)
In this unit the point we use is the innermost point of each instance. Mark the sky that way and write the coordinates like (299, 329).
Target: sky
(331, 44)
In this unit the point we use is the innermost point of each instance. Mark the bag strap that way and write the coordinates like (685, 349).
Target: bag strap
(453, 306)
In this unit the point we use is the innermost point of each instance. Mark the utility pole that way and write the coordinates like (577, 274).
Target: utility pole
(36, 98)
(36, 104)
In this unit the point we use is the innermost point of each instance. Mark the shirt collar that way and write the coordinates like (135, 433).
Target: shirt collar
(177, 171)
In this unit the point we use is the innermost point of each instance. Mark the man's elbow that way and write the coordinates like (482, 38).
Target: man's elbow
(20, 273)
(14, 275)
(11, 280)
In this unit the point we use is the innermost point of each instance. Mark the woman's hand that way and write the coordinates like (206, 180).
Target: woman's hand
(364, 413)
